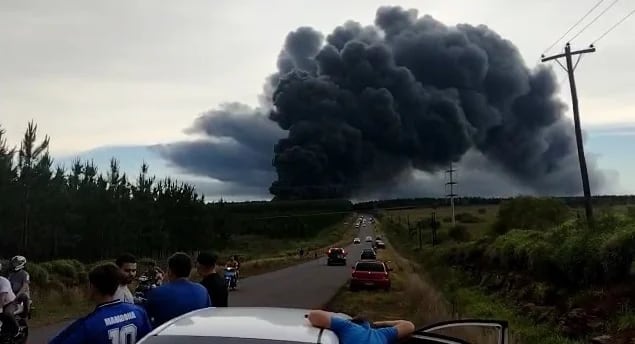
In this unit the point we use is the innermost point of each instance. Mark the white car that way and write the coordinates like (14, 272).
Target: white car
(369, 239)
(356, 241)
(241, 325)
(271, 325)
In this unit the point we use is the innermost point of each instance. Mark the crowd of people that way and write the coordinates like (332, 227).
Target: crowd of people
(118, 317)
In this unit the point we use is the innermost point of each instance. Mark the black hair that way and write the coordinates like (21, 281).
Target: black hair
(180, 264)
(207, 259)
(125, 258)
(105, 278)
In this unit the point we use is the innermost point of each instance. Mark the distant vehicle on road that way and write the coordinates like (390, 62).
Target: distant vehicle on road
(336, 256)
(380, 244)
(370, 273)
(368, 253)
(369, 239)
(357, 241)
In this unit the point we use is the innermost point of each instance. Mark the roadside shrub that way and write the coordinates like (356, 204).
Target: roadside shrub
(39, 275)
(459, 233)
(468, 218)
(65, 271)
(616, 254)
(530, 213)
(446, 219)
(630, 212)
(482, 211)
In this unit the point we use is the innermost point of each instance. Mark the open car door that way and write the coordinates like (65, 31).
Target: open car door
(425, 335)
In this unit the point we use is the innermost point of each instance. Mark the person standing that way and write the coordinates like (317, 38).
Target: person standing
(212, 281)
(112, 321)
(179, 295)
(127, 263)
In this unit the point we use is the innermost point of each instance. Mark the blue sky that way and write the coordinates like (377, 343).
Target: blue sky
(113, 78)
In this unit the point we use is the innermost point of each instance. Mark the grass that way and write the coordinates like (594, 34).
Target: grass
(485, 214)
(468, 301)
(411, 297)
(57, 302)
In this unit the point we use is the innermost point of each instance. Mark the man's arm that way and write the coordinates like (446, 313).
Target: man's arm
(404, 328)
(319, 318)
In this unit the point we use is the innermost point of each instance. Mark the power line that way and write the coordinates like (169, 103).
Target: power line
(573, 26)
(613, 27)
(593, 21)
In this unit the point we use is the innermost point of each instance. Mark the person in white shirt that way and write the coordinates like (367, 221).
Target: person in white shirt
(127, 263)
(7, 308)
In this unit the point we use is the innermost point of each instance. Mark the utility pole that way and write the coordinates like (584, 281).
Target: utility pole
(451, 183)
(576, 120)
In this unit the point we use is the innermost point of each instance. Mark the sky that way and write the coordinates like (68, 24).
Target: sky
(128, 74)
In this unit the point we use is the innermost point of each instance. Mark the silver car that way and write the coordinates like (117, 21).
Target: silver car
(241, 325)
(270, 325)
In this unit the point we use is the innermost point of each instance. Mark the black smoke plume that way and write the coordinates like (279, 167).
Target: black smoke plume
(366, 106)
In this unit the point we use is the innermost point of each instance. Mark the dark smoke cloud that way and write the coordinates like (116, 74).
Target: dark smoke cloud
(358, 111)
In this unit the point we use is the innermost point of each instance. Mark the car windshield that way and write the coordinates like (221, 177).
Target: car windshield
(367, 251)
(373, 267)
(207, 340)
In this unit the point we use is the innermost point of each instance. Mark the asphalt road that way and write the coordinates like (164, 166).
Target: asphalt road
(308, 285)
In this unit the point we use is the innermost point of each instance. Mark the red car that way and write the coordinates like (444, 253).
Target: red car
(370, 273)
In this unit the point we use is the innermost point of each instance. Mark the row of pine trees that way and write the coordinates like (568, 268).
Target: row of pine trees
(48, 212)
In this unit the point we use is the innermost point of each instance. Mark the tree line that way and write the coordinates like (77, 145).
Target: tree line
(51, 212)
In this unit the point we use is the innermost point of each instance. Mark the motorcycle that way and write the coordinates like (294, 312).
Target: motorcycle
(143, 288)
(230, 278)
(23, 328)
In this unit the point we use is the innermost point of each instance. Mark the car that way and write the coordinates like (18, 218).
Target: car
(369, 239)
(368, 253)
(276, 325)
(357, 241)
(336, 256)
(241, 325)
(380, 244)
(370, 273)
(378, 238)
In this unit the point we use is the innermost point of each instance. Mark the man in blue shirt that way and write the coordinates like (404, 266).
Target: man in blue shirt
(179, 295)
(352, 331)
(112, 321)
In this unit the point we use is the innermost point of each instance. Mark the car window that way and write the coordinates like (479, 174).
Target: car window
(373, 267)
(208, 340)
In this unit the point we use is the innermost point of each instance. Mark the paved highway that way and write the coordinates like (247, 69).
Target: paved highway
(308, 285)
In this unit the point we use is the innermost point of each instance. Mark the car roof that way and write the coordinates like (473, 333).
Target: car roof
(268, 323)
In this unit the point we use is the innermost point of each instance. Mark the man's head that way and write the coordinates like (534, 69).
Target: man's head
(104, 280)
(179, 266)
(206, 263)
(127, 263)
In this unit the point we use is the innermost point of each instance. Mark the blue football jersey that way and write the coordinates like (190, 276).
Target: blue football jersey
(114, 322)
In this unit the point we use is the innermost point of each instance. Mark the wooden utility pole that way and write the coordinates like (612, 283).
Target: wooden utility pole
(451, 184)
(570, 68)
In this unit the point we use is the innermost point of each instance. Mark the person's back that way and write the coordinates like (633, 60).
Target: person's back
(212, 281)
(20, 282)
(113, 322)
(180, 295)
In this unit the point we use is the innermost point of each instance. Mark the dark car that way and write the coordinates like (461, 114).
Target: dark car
(336, 256)
(368, 253)
(370, 273)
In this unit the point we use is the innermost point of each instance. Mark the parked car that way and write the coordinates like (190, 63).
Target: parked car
(380, 244)
(271, 325)
(368, 253)
(370, 273)
(336, 256)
